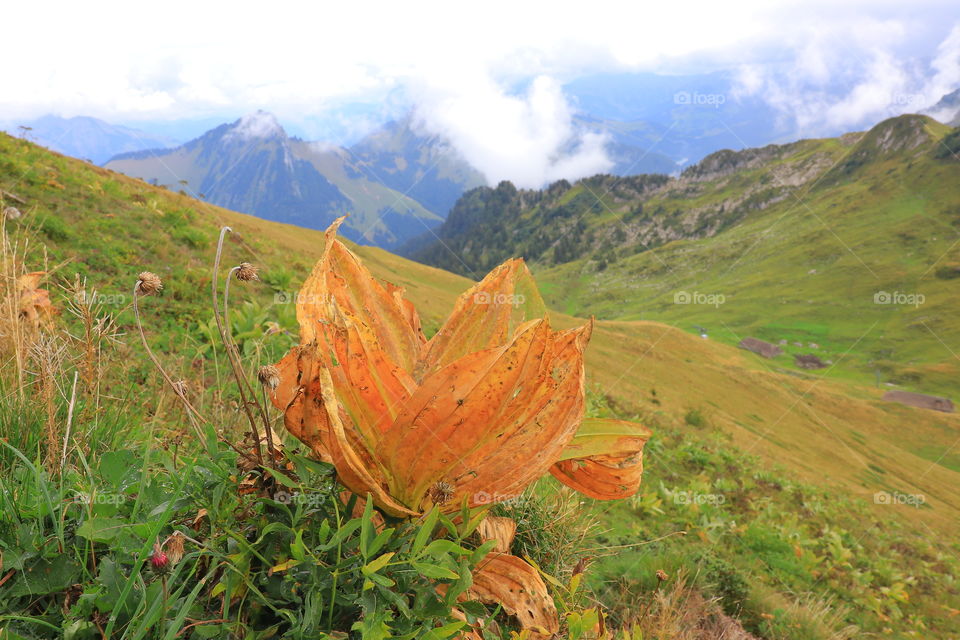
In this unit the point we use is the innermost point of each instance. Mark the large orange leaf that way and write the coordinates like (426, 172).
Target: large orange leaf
(485, 316)
(370, 386)
(299, 386)
(491, 422)
(507, 580)
(341, 287)
(355, 467)
(605, 459)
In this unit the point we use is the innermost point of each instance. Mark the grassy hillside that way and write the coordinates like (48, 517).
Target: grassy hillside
(860, 263)
(844, 248)
(710, 403)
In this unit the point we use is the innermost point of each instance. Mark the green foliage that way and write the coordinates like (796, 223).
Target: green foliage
(292, 563)
(55, 228)
(550, 226)
(695, 418)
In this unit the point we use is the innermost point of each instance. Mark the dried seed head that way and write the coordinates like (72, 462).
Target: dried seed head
(662, 575)
(174, 547)
(180, 388)
(149, 283)
(247, 272)
(441, 492)
(269, 376)
(11, 213)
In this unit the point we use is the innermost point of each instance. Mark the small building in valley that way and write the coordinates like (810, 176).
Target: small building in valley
(761, 347)
(920, 400)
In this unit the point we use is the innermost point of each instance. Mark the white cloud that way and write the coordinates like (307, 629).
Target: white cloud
(836, 78)
(303, 61)
(947, 74)
(258, 124)
(528, 139)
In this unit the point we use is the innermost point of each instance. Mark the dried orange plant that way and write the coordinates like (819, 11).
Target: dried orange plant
(492, 402)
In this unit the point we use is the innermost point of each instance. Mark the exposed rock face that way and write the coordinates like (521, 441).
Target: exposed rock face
(900, 134)
(920, 400)
(725, 162)
(760, 347)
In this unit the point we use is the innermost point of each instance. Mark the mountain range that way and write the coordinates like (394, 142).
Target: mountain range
(399, 182)
(396, 183)
(87, 138)
(252, 165)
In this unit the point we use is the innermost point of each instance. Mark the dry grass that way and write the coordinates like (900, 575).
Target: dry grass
(680, 612)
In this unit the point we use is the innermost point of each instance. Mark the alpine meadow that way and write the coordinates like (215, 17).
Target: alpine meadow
(481, 323)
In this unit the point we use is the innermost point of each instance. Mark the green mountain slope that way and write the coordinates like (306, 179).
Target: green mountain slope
(426, 168)
(849, 244)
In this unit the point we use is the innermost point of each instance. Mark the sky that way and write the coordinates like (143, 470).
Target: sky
(834, 64)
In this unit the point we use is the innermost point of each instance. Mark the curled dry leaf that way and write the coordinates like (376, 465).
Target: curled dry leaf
(604, 460)
(500, 529)
(399, 416)
(34, 304)
(511, 582)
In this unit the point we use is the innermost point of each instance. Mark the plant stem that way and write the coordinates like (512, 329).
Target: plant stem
(231, 356)
(235, 350)
(66, 435)
(270, 445)
(191, 412)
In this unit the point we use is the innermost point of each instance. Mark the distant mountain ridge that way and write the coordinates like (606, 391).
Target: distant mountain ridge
(607, 217)
(88, 138)
(947, 109)
(810, 243)
(251, 165)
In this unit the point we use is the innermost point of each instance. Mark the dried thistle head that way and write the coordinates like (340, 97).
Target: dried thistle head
(662, 575)
(173, 547)
(149, 283)
(180, 388)
(269, 376)
(247, 272)
(441, 492)
(11, 213)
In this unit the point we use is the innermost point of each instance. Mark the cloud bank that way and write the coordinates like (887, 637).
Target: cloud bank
(821, 64)
(843, 80)
(529, 139)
